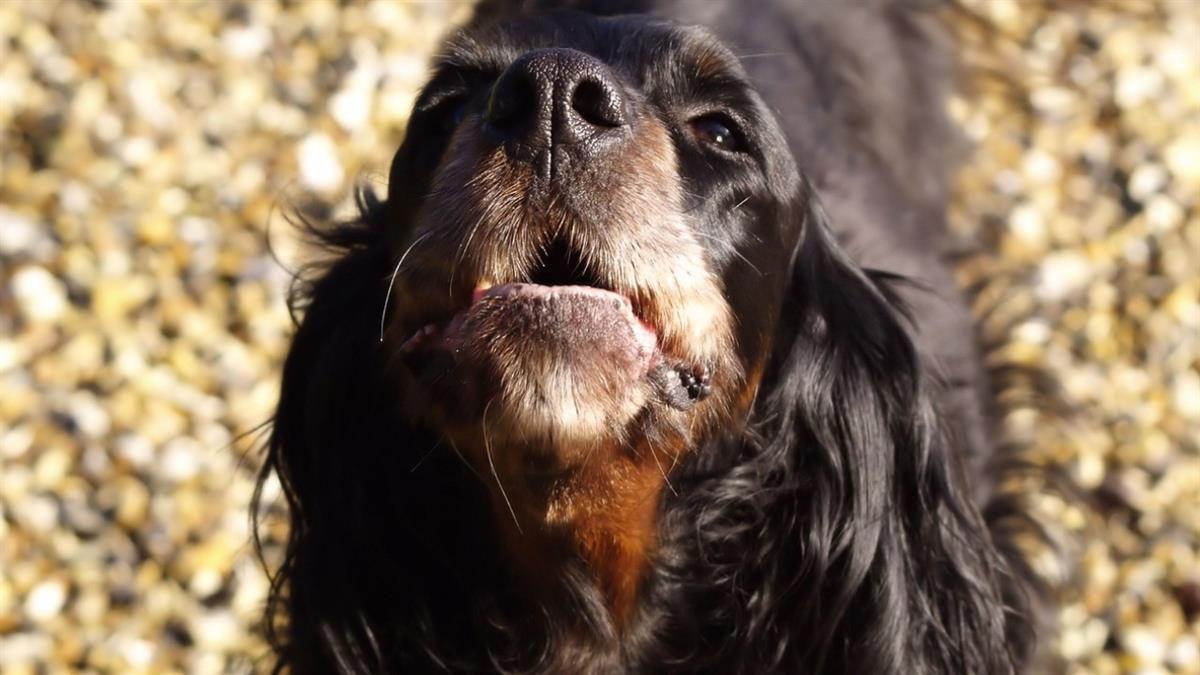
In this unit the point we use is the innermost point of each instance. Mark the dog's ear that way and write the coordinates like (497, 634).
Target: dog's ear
(879, 512)
(327, 423)
(365, 549)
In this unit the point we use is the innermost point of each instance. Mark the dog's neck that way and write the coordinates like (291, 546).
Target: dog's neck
(603, 516)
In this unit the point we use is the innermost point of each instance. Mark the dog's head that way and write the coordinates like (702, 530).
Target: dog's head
(586, 222)
(587, 210)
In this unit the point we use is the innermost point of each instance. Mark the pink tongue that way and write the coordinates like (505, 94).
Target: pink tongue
(574, 323)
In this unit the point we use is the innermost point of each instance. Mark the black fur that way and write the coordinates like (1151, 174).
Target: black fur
(837, 529)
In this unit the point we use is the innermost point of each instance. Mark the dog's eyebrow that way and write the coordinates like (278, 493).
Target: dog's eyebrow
(466, 51)
(710, 64)
(711, 72)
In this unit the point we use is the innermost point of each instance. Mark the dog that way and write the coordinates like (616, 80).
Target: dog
(651, 360)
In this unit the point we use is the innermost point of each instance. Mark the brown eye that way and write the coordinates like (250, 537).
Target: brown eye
(717, 131)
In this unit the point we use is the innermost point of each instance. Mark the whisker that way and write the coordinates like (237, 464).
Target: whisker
(465, 462)
(487, 447)
(733, 249)
(461, 253)
(387, 298)
(426, 455)
(654, 454)
(675, 459)
(488, 214)
(761, 55)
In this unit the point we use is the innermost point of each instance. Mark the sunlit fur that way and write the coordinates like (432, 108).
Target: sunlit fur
(831, 523)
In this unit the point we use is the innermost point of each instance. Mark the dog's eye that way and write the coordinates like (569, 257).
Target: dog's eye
(717, 131)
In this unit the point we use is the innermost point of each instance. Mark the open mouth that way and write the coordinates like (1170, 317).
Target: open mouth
(564, 317)
(561, 265)
(562, 308)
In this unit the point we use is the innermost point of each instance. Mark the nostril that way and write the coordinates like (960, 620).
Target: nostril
(597, 103)
(554, 96)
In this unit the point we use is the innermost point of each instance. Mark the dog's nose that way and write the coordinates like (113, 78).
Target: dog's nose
(551, 97)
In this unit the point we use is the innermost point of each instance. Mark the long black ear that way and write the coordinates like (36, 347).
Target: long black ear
(889, 567)
(387, 536)
(326, 416)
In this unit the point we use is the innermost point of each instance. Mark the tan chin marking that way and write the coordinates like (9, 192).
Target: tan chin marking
(603, 514)
(552, 409)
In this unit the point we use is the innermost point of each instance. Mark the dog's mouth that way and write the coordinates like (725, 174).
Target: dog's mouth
(565, 319)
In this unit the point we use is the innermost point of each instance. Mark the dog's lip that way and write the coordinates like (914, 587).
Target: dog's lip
(487, 290)
(643, 332)
(679, 383)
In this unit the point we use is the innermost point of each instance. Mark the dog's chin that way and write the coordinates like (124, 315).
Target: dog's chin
(558, 370)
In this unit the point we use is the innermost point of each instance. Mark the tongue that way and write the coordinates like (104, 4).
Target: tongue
(575, 327)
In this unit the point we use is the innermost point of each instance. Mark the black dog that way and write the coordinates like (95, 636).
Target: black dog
(630, 406)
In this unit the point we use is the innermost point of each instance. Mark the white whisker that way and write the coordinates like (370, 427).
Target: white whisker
(467, 464)
(387, 298)
(761, 55)
(654, 453)
(733, 249)
(461, 253)
(426, 456)
(487, 447)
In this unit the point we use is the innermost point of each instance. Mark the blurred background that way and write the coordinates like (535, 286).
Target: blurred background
(149, 151)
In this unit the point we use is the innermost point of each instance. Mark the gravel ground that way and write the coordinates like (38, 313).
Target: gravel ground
(146, 154)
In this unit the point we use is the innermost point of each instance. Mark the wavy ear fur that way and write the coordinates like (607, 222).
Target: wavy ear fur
(346, 459)
(390, 563)
(324, 421)
(885, 566)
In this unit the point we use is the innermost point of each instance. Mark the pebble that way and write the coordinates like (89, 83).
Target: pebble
(20, 651)
(45, 600)
(1062, 274)
(1027, 223)
(88, 414)
(320, 168)
(1163, 214)
(1147, 180)
(180, 459)
(1144, 645)
(1184, 654)
(12, 354)
(36, 513)
(39, 294)
(1136, 86)
(216, 630)
(18, 234)
(1185, 394)
(1183, 158)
